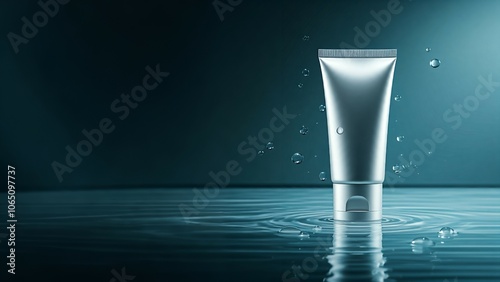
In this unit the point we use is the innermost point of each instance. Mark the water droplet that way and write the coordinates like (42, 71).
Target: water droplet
(289, 231)
(303, 234)
(293, 232)
(317, 228)
(270, 145)
(305, 38)
(423, 241)
(297, 158)
(427, 49)
(322, 108)
(400, 138)
(304, 130)
(395, 120)
(397, 98)
(447, 232)
(435, 63)
(429, 153)
(315, 156)
(422, 245)
(300, 85)
(261, 152)
(305, 72)
(397, 169)
(340, 130)
(317, 122)
(322, 176)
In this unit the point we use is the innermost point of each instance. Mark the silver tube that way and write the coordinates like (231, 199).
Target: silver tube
(357, 86)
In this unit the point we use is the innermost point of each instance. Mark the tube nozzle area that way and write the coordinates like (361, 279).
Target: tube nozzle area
(357, 202)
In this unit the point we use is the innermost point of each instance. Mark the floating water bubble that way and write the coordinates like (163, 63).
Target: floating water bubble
(340, 130)
(305, 38)
(317, 122)
(397, 98)
(427, 49)
(422, 245)
(322, 108)
(315, 156)
(297, 158)
(303, 234)
(300, 85)
(317, 228)
(270, 145)
(293, 232)
(304, 130)
(423, 241)
(435, 63)
(397, 169)
(260, 152)
(305, 72)
(447, 232)
(290, 231)
(322, 176)
(400, 138)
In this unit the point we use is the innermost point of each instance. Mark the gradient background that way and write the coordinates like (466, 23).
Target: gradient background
(225, 79)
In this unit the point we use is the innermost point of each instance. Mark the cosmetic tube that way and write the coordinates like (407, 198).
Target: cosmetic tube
(357, 86)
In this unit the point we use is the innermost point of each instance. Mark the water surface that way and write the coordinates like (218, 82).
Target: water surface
(141, 235)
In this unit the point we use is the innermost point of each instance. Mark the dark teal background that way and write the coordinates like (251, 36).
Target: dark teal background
(225, 79)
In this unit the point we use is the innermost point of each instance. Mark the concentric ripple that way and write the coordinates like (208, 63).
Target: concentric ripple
(306, 208)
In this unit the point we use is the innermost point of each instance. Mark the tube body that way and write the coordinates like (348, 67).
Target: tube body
(357, 86)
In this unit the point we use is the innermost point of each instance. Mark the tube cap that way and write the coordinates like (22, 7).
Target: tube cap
(357, 202)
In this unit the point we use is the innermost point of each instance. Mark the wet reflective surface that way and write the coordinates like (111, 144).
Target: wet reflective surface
(142, 235)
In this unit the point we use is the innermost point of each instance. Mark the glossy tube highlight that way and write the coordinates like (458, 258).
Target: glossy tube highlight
(357, 86)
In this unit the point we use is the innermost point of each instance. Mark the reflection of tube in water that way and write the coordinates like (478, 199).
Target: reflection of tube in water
(357, 86)
(357, 254)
